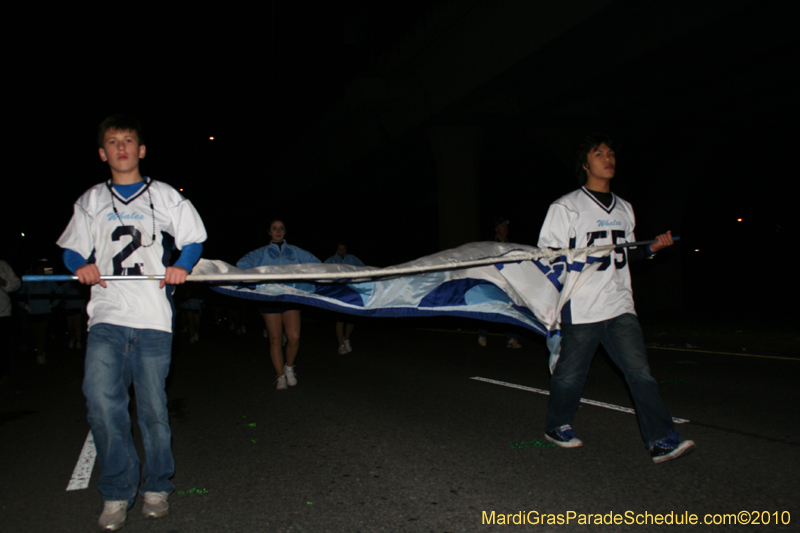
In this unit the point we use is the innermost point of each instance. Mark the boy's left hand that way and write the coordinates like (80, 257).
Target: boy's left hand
(174, 276)
(664, 240)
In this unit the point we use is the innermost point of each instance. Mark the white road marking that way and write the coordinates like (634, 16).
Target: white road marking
(583, 400)
(83, 470)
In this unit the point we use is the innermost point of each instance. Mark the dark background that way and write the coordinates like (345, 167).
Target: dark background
(700, 98)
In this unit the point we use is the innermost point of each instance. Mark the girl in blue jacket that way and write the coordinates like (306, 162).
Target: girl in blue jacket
(286, 317)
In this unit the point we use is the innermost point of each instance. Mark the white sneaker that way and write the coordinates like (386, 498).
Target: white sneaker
(156, 504)
(291, 379)
(347, 345)
(280, 383)
(113, 516)
(482, 340)
(342, 349)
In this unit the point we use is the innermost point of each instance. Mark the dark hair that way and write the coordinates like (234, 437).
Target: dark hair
(501, 220)
(119, 122)
(590, 143)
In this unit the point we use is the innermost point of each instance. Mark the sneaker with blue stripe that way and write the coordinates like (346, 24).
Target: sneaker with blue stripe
(671, 448)
(563, 437)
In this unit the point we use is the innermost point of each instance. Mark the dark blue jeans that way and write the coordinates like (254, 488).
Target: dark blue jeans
(115, 357)
(623, 339)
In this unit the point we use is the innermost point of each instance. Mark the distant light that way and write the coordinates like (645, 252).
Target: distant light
(22, 234)
(180, 190)
(697, 249)
(211, 138)
(738, 220)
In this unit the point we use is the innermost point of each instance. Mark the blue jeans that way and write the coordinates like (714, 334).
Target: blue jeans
(115, 357)
(623, 339)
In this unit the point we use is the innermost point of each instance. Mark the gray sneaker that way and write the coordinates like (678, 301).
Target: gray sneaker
(114, 514)
(156, 504)
(291, 379)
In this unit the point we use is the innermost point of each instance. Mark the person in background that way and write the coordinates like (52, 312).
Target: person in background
(344, 328)
(75, 312)
(39, 298)
(500, 235)
(280, 317)
(9, 282)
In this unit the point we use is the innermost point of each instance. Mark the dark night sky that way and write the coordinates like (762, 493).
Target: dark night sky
(251, 82)
(256, 78)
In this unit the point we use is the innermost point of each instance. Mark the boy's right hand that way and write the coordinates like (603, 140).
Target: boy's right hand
(89, 274)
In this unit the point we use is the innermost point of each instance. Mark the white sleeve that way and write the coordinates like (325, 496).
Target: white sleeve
(557, 228)
(630, 237)
(188, 225)
(11, 281)
(78, 235)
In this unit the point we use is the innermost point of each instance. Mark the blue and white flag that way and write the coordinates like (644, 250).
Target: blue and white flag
(498, 282)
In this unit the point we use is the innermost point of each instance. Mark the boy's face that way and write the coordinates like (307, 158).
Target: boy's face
(122, 151)
(341, 250)
(601, 163)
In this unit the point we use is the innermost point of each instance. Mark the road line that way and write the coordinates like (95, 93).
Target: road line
(722, 353)
(83, 469)
(648, 346)
(583, 400)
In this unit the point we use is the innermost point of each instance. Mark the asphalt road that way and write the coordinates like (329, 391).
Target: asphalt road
(396, 437)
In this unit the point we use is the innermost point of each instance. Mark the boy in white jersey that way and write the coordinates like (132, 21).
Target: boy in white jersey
(602, 310)
(127, 226)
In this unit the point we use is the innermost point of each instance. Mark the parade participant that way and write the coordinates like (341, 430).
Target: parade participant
(343, 328)
(280, 317)
(127, 226)
(602, 310)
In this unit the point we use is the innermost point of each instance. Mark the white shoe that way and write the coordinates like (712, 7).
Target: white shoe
(280, 383)
(342, 350)
(156, 504)
(291, 379)
(113, 516)
(347, 345)
(482, 340)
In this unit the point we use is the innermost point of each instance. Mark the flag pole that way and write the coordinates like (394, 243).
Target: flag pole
(513, 256)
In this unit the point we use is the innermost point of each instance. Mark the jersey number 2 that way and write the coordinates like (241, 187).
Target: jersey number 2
(136, 241)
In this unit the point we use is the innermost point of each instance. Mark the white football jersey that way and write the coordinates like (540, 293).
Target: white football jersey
(123, 243)
(578, 220)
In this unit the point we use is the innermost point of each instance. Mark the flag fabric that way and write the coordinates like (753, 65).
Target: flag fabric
(498, 282)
